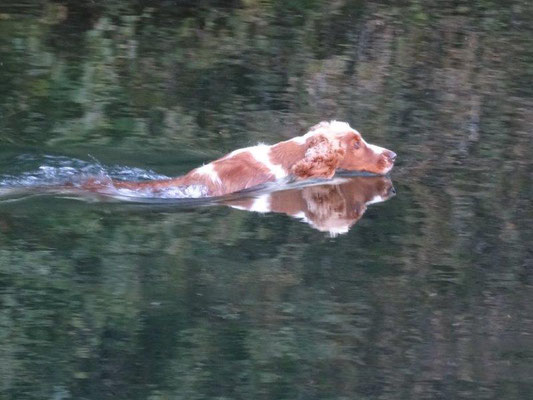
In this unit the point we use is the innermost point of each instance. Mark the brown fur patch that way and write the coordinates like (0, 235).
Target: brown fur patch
(239, 172)
(287, 154)
(289, 202)
(322, 158)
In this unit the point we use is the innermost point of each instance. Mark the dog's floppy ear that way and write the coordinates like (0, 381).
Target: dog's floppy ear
(321, 159)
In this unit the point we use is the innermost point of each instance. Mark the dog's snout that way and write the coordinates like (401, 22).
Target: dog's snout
(391, 155)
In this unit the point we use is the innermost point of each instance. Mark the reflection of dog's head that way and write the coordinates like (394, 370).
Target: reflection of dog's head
(334, 207)
(328, 210)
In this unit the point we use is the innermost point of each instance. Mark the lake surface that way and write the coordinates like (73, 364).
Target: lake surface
(425, 295)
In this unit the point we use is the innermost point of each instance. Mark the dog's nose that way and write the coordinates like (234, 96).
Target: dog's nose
(391, 155)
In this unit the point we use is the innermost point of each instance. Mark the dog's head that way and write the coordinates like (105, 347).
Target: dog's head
(335, 145)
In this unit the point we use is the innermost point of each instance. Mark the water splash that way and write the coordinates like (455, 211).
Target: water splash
(177, 192)
(61, 175)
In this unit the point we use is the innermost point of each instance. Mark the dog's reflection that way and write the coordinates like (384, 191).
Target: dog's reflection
(332, 207)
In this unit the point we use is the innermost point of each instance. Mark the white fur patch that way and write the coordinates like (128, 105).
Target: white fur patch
(338, 127)
(262, 154)
(329, 129)
(208, 170)
(301, 215)
(375, 199)
(298, 140)
(261, 204)
(376, 149)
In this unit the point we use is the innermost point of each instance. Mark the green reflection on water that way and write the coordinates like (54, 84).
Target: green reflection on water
(428, 296)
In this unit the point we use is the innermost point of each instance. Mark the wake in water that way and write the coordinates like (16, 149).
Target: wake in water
(69, 177)
(91, 181)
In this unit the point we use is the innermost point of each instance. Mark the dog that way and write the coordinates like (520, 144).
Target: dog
(326, 148)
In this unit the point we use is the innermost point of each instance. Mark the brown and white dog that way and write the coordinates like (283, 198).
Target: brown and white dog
(327, 147)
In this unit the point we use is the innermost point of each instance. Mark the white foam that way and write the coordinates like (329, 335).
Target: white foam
(176, 192)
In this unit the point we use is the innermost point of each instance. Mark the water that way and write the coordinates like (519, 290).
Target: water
(427, 294)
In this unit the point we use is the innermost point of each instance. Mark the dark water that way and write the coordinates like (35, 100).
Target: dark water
(428, 295)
